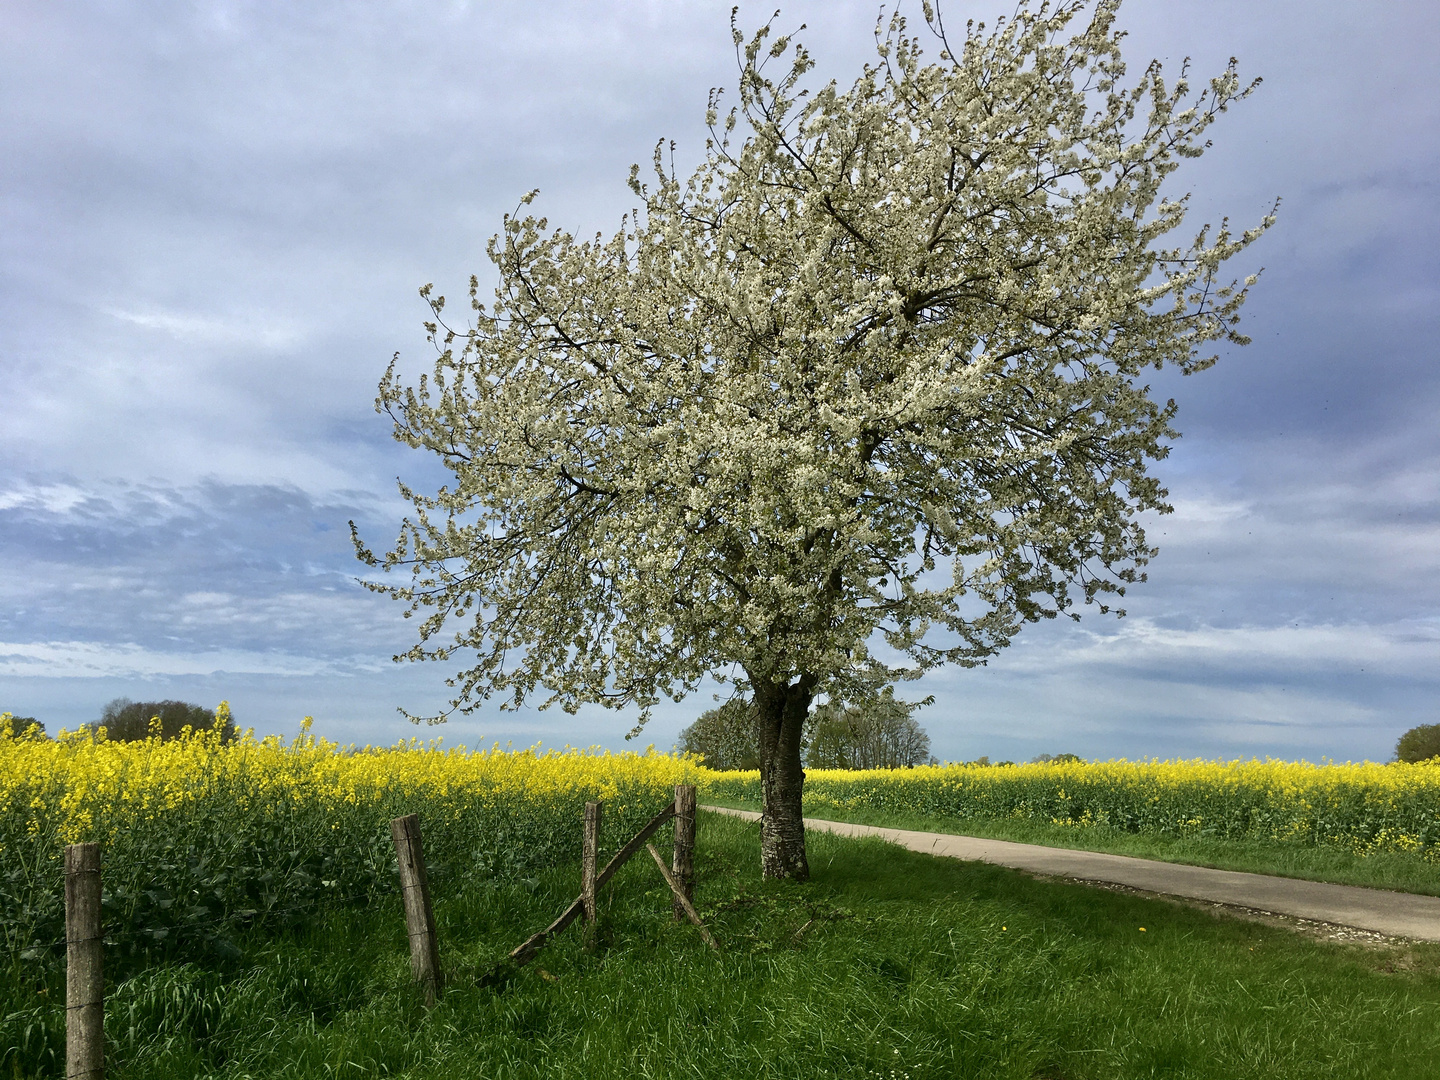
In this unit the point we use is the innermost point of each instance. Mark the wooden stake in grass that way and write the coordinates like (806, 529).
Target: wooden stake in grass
(683, 862)
(84, 964)
(681, 898)
(419, 915)
(590, 859)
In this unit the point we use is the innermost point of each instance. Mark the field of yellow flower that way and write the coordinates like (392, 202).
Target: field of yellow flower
(197, 834)
(1362, 808)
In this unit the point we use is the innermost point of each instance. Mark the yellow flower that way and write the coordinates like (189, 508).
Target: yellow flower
(1360, 807)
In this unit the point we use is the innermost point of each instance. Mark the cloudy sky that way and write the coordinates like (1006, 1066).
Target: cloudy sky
(214, 218)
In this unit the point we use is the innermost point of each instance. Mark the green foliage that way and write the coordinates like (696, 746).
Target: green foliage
(1419, 744)
(877, 732)
(724, 738)
(131, 721)
(1056, 759)
(888, 965)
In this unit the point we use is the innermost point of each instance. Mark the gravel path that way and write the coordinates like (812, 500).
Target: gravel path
(1393, 914)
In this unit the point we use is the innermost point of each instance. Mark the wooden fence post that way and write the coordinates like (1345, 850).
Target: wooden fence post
(526, 950)
(590, 858)
(84, 964)
(683, 862)
(419, 915)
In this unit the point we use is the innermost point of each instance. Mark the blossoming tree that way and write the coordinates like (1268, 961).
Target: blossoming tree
(857, 398)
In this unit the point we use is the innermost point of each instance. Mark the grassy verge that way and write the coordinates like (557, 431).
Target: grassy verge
(887, 964)
(1381, 870)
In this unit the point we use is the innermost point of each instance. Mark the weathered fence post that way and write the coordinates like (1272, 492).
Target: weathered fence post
(419, 915)
(683, 862)
(84, 964)
(526, 950)
(590, 859)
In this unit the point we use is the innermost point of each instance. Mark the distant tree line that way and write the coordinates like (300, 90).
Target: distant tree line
(877, 733)
(725, 737)
(132, 721)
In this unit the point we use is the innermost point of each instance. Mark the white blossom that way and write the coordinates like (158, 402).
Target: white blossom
(896, 327)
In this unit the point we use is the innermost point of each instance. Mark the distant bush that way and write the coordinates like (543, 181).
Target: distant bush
(1057, 759)
(1419, 743)
(130, 721)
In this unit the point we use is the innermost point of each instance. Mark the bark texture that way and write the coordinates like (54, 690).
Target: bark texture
(780, 711)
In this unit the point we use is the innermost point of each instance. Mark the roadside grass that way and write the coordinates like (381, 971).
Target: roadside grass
(1396, 870)
(887, 964)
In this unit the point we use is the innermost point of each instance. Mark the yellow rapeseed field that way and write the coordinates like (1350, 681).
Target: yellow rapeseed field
(1362, 808)
(195, 831)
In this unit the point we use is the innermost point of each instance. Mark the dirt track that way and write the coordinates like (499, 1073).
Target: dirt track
(1393, 914)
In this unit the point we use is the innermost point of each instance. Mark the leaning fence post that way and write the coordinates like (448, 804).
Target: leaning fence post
(419, 915)
(84, 964)
(590, 859)
(683, 862)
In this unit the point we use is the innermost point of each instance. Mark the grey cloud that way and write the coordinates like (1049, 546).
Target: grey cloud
(216, 568)
(214, 217)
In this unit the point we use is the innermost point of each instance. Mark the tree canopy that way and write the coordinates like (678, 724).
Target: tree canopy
(860, 396)
(1419, 744)
(21, 727)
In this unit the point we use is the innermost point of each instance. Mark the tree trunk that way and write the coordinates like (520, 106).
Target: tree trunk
(780, 712)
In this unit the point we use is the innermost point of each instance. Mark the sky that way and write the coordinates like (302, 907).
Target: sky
(215, 217)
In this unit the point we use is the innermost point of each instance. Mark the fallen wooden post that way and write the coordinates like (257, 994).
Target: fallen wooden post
(84, 964)
(681, 899)
(419, 914)
(526, 950)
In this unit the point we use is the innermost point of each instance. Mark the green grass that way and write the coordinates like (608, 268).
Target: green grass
(1380, 870)
(886, 964)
